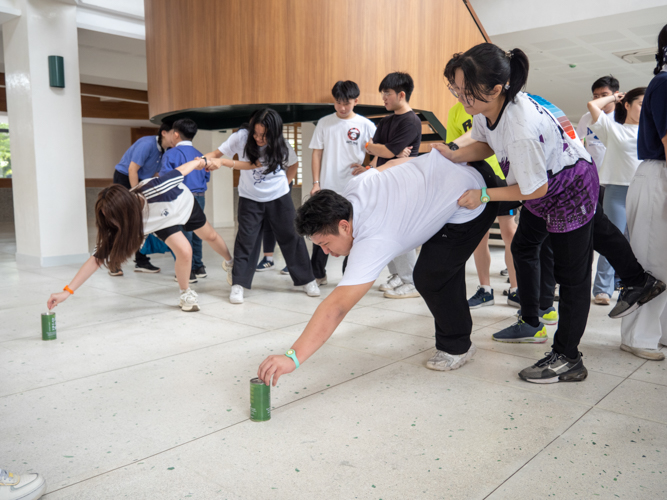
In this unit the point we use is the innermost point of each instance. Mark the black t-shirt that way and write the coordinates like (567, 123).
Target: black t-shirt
(397, 132)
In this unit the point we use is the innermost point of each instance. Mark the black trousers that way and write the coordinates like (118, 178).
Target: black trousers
(280, 215)
(573, 258)
(319, 262)
(268, 238)
(124, 180)
(439, 277)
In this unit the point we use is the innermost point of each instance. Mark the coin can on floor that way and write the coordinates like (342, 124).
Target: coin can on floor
(260, 401)
(49, 326)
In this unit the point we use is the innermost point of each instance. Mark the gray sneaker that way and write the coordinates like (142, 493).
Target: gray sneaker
(631, 298)
(555, 368)
(443, 361)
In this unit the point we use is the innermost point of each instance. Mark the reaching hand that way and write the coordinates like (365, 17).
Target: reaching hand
(357, 169)
(57, 298)
(405, 153)
(275, 366)
(214, 164)
(443, 149)
(471, 199)
(316, 188)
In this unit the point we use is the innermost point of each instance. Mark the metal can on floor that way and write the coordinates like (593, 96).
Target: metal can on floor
(260, 401)
(49, 326)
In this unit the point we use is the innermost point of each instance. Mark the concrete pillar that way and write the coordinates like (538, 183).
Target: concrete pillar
(220, 194)
(307, 131)
(46, 145)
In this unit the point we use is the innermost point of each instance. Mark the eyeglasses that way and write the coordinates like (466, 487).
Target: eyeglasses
(460, 96)
(386, 93)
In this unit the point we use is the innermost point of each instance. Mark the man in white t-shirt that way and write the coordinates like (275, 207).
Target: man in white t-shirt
(602, 87)
(338, 143)
(380, 215)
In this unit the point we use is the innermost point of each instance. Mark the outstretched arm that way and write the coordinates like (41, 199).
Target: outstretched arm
(85, 272)
(321, 326)
(595, 106)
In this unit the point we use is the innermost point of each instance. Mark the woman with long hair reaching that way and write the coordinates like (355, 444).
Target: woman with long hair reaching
(551, 171)
(161, 205)
(268, 164)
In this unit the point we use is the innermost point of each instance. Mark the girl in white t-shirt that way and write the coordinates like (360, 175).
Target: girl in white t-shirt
(263, 155)
(547, 167)
(619, 136)
(161, 205)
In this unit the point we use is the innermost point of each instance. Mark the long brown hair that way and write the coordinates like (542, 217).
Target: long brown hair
(120, 225)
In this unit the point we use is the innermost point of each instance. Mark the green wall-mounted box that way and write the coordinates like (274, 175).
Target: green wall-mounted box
(56, 71)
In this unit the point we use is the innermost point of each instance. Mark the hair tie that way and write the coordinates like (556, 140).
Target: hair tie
(507, 86)
(509, 54)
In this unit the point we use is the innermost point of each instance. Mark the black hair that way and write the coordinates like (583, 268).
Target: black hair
(164, 127)
(321, 213)
(486, 65)
(186, 128)
(620, 113)
(398, 82)
(661, 55)
(345, 91)
(275, 154)
(606, 81)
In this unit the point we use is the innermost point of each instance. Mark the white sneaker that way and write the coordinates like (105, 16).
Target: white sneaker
(443, 361)
(189, 301)
(236, 295)
(312, 289)
(643, 352)
(602, 299)
(393, 281)
(228, 268)
(321, 281)
(23, 487)
(405, 291)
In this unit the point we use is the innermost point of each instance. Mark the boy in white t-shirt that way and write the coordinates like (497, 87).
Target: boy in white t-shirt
(337, 144)
(602, 87)
(383, 214)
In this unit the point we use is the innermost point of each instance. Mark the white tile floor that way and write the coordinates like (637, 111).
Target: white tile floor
(136, 399)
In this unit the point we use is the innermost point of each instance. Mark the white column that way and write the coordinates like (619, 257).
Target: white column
(46, 136)
(220, 194)
(307, 131)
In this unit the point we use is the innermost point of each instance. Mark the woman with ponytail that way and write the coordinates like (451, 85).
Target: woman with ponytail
(643, 331)
(548, 168)
(619, 136)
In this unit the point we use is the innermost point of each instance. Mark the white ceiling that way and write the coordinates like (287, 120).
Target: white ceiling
(588, 45)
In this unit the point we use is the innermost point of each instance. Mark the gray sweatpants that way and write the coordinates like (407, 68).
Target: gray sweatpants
(403, 265)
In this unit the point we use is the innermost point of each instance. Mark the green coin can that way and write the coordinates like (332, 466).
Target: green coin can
(260, 401)
(49, 326)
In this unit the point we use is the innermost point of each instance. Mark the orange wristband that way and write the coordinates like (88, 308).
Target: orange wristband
(367, 145)
(68, 289)
(367, 167)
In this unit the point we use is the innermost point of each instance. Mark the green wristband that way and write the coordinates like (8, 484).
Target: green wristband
(485, 198)
(292, 354)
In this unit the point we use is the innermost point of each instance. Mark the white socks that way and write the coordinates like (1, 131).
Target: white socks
(269, 258)
(486, 288)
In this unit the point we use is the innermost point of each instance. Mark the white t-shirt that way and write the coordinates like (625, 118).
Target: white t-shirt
(528, 138)
(591, 141)
(343, 142)
(397, 210)
(621, 162)
(168, 201)
(255, 184)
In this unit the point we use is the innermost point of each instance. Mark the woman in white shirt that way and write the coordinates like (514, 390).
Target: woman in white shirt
(264, 156)
(618, 168)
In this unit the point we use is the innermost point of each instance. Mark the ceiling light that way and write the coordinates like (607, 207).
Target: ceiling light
(637, 56)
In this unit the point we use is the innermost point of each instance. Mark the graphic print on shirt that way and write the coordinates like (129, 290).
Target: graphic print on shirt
(505, 166)
(467, 125)
(259, 176)
(353, 134)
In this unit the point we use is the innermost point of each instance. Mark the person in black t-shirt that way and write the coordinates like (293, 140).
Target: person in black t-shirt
(400, 130)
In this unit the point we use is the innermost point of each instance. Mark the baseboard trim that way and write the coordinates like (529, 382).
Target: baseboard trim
(58, 260)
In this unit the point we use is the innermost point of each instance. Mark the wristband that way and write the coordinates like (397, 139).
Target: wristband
(366, 146)
(316, 182)
(367, 167)
(68, 289)
(485, 198)
(292, 354)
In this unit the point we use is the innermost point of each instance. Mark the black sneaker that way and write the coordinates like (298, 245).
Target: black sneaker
(200, 272)
(145, 267)
(555, 368)
(631, 298)
(193, 278)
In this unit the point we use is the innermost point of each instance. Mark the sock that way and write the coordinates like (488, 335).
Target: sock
(183, 291)
(513, 290)
(487, 288)
(269, 258)
(532, 321)
(230, 262)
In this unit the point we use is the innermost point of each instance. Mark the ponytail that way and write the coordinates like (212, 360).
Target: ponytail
(661, 55)
(620, 113)
(486, 65)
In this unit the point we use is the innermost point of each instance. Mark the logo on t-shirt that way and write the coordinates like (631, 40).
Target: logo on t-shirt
(164, 213)
(467, 125)
(353, 134)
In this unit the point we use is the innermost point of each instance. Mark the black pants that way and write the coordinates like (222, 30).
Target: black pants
(268, 238)
(573, 258)
(439, 277)
(124, 180)
(280, 215)
(319, 262)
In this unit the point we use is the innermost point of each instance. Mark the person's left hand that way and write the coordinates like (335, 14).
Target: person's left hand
(213, 164)
(471, 199)
(275, 366)
(357, 169)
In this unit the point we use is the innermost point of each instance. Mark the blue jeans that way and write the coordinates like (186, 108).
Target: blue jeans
(195, 240)
(614, 207)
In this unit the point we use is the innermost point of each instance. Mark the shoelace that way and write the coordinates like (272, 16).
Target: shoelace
(550, 357)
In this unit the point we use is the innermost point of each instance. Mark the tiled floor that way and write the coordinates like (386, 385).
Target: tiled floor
(136, 399)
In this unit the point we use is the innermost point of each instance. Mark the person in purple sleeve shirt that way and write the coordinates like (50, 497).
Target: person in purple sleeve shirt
(557, 180)
(181, 135)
